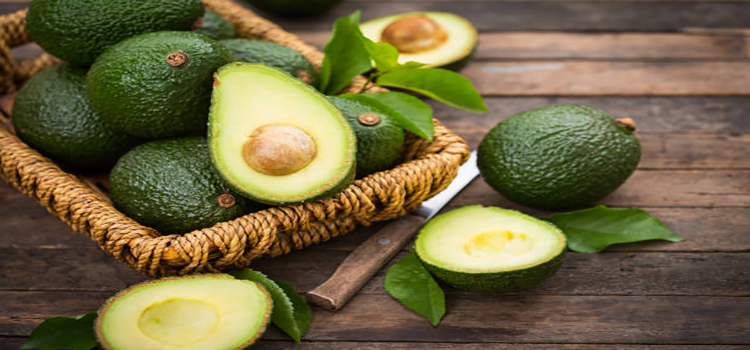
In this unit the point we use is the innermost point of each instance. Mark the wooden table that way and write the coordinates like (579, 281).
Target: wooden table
(680, 69)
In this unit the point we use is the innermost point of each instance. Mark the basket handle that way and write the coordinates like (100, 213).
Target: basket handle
(13, 33)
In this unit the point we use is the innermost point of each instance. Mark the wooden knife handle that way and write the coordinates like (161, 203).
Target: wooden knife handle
(364, 262)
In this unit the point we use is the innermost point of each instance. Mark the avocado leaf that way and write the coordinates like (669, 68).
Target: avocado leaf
(75, 333)
(594, 229)
(411, 113)
(410, 283)
(290, 312)
(345, 55)
(437, 83)
(384, 55)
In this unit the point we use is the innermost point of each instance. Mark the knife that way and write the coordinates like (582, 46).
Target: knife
(372, 254)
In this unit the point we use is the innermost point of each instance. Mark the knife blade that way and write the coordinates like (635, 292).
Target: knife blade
(376, 251)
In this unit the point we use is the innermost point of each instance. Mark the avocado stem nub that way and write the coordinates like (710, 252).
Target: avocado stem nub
(178, 59)
(226, 200)
(627, 123)
(414, 33)
(304, 76)
(369, 119)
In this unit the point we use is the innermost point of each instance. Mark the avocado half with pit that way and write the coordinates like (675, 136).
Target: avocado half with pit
(275, 139)
(437, 39)
(489, 249)
(201, 312)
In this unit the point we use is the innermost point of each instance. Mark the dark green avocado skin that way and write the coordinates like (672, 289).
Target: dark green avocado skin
(379, 147)
(78, 31)
(216, 27)
(499, 282)
(171, 186)
(272, 54)
(136, 91)
(294, 8)
(558, 157)
(53, 115)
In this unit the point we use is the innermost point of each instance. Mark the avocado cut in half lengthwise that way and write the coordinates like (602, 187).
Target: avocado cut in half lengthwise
(171, 186)
(275, 139)
(78, 31)
(489, 249)
(216, 27)
(199, 312)
(437, 39)
(559, 157)
(53, 115)
(274, 55)
(380, 141)
(157, 85)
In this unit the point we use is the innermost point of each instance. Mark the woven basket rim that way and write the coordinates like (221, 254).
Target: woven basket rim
(428, 169)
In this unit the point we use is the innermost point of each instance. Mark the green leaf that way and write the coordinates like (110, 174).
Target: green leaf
(409, 112)
(410, 283)
(384, 55)
(290, 313)
(592, 230)
(345, 55)
(74, 333)
(440, 84)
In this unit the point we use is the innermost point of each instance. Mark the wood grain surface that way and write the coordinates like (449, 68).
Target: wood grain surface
(680, 69)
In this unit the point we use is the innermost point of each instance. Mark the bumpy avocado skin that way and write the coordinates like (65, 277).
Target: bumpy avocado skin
(558, 157)
(171, 185)
(216, 27)
(294, 8)
(78, 31)
(272, 54)
(53, 115)
(136, 91)
(379, 146)
(498, 282)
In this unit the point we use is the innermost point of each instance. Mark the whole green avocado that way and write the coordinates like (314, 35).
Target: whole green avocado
(216, 27)
(78, 31)
(274, 55)
(559, 157)
(53, 115)
(157, 85)
(380, 141)
(171, 185)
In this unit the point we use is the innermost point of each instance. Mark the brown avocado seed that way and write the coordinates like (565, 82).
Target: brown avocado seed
(415, 33)
(626, 123)
(369, 119)
(279, 149)
(178, 59)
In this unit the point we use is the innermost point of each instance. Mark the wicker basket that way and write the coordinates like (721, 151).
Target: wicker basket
(82, 204)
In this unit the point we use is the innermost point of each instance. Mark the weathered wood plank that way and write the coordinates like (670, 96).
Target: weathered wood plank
(275, 344)
(615, 273)
(473, 318)
(553, 16)
(600, 46)
(573, 78)
(652, 114)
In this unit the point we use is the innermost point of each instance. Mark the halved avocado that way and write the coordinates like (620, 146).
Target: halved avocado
(201, 312)
(275, 139)
(489, 249)
(437, 39)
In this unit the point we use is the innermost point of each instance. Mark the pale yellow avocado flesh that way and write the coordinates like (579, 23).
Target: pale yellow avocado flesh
(249, 96)
(202, 312)
(462, 37)
(478, 239)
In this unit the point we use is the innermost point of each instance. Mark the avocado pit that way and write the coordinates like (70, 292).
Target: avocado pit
(414, 33)
(279, 149)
